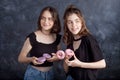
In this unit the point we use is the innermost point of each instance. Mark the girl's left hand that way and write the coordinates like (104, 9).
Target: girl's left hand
(53, 58)
(73, 63)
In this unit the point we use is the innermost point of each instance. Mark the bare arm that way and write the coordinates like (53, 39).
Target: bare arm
(98, 64)
(65, 66)
(24, 52)
(23, 58)
(92, 65)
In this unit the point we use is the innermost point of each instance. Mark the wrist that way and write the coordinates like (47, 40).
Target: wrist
(31, 59)
(81, 64)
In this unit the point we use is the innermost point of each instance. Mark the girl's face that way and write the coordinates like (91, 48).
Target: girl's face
(74, 24)
(46, 21)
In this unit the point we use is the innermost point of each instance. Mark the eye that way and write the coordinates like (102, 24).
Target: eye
(77, 21)
(43, 18)
(69, 22)
(50, 19)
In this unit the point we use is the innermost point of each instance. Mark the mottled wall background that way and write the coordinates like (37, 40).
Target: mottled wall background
(19, 17)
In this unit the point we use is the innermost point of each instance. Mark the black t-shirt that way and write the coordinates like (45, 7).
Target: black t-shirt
(88, 51)
(38, 48)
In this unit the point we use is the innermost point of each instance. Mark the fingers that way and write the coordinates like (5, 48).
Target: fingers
(39, 63)
(35, 61)
(74, 56)
(69, 63)
(53, 54)
(66, 61)
(50, 59)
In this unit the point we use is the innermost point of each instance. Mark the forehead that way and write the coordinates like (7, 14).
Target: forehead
(73, 17)
(46, 14)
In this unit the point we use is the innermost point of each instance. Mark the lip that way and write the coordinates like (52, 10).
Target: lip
(74, 29)
(46, 25)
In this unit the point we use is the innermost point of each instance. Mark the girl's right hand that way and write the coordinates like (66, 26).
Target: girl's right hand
(34, 60)
(74, 63)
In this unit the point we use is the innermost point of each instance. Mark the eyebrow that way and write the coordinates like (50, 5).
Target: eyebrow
(45, 17)
(75, 19)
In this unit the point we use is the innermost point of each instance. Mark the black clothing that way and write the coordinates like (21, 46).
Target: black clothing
(88, 51)
(38, 48)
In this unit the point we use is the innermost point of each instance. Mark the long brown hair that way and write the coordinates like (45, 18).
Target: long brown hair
(68, 37)
(57, 26)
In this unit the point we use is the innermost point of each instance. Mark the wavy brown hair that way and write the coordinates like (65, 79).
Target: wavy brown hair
(68, 37)
(57, 26)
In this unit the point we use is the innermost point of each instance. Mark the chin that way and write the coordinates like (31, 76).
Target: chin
(75, 33)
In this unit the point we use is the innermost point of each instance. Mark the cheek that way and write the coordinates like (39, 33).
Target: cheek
(41, 22)
(51, 23)
(80, 25)
(69, 28)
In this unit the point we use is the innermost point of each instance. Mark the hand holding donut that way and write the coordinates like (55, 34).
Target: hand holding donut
(43, 58)
(60, 54)
(46, 55)
(69, 53)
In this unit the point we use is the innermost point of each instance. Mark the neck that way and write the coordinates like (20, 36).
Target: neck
(45, 32)
(77, 38)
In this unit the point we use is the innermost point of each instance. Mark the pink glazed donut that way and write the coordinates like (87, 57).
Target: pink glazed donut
(60, 54)
(46, 55)
(41, 59)
(69, 53)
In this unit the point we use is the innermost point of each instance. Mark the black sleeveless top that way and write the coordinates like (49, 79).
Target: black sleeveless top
(38, 48)
(88, 51)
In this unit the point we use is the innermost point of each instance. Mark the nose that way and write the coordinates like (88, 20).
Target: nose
(46, 20)
(73, 24)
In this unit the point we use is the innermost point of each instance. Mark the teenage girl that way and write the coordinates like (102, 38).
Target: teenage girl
(87, 57)
(45, 39)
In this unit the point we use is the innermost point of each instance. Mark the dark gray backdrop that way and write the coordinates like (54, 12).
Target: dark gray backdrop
(19, 17)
